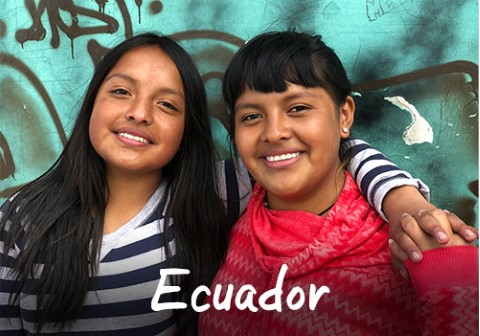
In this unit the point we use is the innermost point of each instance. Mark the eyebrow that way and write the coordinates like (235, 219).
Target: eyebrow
(134, 81)
(290, 96)
(247, 105)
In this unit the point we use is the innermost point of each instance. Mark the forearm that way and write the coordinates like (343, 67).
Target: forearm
(377, 176)
(405, 199)
(400, 199)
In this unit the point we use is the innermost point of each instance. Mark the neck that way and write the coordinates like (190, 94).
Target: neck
(318, 201)
(127, 195)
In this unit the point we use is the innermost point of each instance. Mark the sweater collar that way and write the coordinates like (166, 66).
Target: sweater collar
(305, 241)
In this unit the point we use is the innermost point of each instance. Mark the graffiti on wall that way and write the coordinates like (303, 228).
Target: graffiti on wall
(416, 79)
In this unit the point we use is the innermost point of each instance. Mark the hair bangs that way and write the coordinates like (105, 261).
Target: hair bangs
(269, 67)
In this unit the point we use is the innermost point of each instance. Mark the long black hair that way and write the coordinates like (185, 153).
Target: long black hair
(271, 60)
(57, 220)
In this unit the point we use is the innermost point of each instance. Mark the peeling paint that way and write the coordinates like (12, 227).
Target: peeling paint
(419, 130)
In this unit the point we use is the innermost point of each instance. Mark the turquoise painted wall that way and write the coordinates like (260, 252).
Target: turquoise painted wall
(423, 51)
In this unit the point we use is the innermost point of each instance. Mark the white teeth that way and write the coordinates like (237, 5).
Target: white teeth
(282, 157)
(133, 137)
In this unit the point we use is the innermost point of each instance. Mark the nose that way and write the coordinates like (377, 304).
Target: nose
(276, 129)
(140, 111)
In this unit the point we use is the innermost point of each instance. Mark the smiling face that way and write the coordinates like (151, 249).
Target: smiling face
(138, 117)
(289, 141)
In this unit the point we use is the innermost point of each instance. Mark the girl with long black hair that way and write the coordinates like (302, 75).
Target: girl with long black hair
(86, 240)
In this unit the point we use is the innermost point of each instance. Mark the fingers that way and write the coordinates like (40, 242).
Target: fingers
(436, 223)
(396, 250)
(426, 230)
(468, 233)
(403, 246)
(396, 260)
(441, 224)
(423, 240)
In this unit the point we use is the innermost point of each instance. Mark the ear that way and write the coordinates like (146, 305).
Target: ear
(346, 117)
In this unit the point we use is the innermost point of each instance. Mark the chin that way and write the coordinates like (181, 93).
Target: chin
(283, 192)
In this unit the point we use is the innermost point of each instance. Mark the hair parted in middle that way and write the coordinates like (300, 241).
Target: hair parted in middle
(67, 203)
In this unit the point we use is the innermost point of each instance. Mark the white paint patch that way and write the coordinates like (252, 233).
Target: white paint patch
(419, 130)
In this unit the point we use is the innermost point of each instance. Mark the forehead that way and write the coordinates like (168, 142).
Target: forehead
(149, 69)
(138, 53)
(147, 60)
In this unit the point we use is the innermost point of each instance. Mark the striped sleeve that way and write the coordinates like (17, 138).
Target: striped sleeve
(234, 187)
(375, 174)
(10, 320)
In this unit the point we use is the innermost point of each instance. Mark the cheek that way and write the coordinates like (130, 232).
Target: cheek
(175, 134)
(95, 127)
(244, 141)
(327, 128)
(178, 136)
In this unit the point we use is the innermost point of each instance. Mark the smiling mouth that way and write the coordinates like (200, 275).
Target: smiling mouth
(133, 137)
(282, 157)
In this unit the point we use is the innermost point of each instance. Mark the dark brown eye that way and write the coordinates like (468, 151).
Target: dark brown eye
(168, 105)
(250, 117)
(298, 108)
(120, 91)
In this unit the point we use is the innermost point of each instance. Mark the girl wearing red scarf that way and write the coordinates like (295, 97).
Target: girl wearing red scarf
(291, 108)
